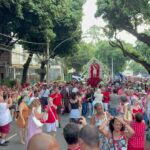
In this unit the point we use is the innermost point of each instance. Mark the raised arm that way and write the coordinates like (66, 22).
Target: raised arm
(102, 128)
(129, 131)
(92, 121)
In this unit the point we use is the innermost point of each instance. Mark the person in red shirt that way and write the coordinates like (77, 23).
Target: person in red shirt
(106, 98)
(136, 142)
(57, 100)
(52, 117)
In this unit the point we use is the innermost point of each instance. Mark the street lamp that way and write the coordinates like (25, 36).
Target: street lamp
(49, 56)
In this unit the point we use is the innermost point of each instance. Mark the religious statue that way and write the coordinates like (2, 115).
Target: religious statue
(94, 74)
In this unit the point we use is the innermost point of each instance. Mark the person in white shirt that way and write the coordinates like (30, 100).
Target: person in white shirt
(75, 88)
(35, 96)
(44, 96)
(98, 97)
(5, 119)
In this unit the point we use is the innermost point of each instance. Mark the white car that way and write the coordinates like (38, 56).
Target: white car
(78, 78)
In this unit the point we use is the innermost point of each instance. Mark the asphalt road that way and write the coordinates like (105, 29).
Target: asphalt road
(14, 138)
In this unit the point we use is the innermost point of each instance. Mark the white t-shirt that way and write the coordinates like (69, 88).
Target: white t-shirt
(44, 93)
(98, 97)
(75, 90)
(5, 116)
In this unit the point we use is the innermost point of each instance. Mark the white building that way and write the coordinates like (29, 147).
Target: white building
(19, 57)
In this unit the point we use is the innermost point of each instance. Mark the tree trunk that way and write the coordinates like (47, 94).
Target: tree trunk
(43, 71)
(135, 57)
(140, 36)
(25, 69)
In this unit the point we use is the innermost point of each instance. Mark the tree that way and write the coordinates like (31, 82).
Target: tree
(37, 27)
(85, 51)
(67, 28)
(105, 54)
(137, 68)
(26, 20)
(9, 14)
(39, 22)
(95, 33)
(129, 16)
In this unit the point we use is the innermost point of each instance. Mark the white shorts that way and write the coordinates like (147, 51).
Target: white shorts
(51, 127)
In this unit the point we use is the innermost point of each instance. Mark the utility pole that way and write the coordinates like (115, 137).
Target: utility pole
(47, 61)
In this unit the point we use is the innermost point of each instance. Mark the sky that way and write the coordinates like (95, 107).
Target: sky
(89, 20)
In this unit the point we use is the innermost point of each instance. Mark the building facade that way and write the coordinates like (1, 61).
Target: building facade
(11, 66)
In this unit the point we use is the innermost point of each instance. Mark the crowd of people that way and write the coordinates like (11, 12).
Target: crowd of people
(112, 116)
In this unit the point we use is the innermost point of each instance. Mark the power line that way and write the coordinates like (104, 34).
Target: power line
(21, 54)
(68, 39)
(23, 40)
(52, 52)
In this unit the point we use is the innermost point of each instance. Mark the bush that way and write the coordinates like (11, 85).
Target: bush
(10, 83)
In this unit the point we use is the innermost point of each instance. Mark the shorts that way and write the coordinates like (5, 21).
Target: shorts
(13, 107)
(51, 127)
(5, 129)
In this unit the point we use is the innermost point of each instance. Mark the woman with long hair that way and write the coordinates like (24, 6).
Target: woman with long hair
(51, 122)
(75, 108)
(118, 134)
(35, 111)
(22, 118)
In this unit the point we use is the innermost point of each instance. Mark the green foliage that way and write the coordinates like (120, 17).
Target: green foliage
(137, 68)
(9, 83)
(41, 21)
(105, 53)
(95, 34)
(85, 51)
(129, 16)
(143, 50)
(122, 14)
(101, 51)
(68, 24)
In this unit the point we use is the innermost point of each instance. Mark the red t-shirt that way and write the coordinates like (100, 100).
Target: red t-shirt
(106, 97)
(136, 142)
(57, 99)
(52, 115)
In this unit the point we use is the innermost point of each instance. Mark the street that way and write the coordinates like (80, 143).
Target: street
(14, 139)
